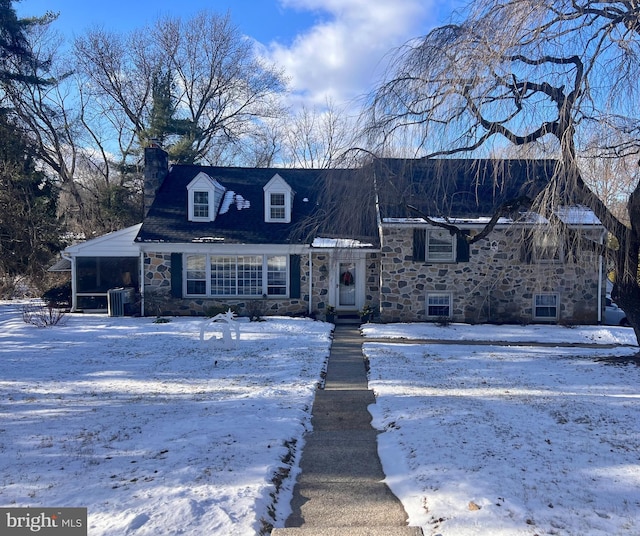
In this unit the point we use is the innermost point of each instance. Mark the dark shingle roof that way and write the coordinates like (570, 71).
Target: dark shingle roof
(326, 201)
(460, 188)
(167, 219)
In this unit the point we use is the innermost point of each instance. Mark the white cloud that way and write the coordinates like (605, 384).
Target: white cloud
(341, 56)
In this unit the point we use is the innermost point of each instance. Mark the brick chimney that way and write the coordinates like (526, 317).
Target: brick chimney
(156, 169)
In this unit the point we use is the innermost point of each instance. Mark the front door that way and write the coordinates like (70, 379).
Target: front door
(348, 284)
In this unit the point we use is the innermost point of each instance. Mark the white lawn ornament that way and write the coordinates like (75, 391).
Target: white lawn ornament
(226, 321)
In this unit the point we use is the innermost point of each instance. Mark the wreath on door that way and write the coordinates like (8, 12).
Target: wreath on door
(346, 278)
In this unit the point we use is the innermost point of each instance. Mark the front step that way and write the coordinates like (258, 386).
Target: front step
(348, 531)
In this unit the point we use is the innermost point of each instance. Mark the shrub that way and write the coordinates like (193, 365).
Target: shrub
(214, 310)
(41, 315)
(58, 296)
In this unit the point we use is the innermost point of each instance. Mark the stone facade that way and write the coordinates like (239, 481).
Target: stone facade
(495, 285)
(159, 301)
(323, 263)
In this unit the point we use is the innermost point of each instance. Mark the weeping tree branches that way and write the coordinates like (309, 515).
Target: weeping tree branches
(517, 73)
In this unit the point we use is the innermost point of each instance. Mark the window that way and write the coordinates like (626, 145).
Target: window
(250, 276)
(200, 204)
(237, 275)
(277, 207)
(440, 246)
(205, 195)
(278, 200)
(277, 276)
(439, 305)
(223, 276)
(545, 307)
(196, 274)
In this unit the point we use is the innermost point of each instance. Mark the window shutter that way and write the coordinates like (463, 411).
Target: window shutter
(526, 251)
(419, 244)
(462, 247)
(176, 275)
(294, 276)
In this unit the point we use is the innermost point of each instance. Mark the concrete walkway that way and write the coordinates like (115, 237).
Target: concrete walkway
(340, 489)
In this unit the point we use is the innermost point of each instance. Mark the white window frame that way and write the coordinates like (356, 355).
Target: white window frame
(199, 207)
(555, 305)
(280, 208)
(432, 234)
(277, 186)
(439, 296)
(241, 275)
(215, 192)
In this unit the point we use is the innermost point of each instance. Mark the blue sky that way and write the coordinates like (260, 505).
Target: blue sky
(330, 49)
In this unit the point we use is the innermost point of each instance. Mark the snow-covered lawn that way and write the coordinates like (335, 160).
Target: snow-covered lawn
(499, 440)
(135, 420)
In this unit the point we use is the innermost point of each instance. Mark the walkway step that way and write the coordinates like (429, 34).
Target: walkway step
(348, 531)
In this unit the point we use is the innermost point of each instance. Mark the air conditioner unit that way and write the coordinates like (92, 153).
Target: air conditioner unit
(118, 300)
(115, 301)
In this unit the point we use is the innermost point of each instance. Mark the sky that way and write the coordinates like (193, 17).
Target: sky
(330, 49)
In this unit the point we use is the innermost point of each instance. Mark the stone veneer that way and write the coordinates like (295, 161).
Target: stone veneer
(320, 283)
(158, 299)
(494, 286)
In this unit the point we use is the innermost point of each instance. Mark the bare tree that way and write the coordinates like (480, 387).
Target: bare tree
(74, 141)
(519, 72)
(217, 84)
(317, 138)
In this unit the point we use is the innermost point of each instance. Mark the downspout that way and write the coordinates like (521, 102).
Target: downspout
(74, 290)
(141, 283)
(600, 274)
(310, 283)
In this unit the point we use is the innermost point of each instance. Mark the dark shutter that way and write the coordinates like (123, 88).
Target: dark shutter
(419, 244)
(462, 247)
(176, 275)
(294, 276)
(526, 251)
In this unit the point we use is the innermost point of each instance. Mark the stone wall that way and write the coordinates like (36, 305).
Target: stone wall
(321, 275)
(158, 299)
(495, 285)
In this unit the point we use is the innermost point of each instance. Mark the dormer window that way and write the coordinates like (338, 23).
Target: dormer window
(201, 205)
(277, 207)
(205, 195)
(278, 200)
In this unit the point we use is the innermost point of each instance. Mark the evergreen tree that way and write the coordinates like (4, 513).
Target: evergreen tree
(176, 136)
(17, 63)
(29, 228)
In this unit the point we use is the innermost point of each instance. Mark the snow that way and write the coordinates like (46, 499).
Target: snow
(152, 430)
(572, 215)
(230, 198)
(514, 439)
(319, 242)
(156, 432)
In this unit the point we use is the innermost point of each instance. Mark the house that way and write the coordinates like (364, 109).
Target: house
(296, 241)
(521, 272)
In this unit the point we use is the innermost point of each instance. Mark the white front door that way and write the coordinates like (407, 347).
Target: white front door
(348, 284)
